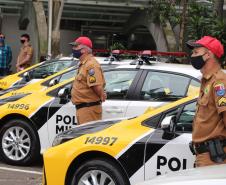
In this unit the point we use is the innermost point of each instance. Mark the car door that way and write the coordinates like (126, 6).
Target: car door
(118, 83)
(167, 149)
(61, 112)
(155, 89)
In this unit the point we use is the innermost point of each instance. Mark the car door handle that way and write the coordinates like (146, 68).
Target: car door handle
(114, 110)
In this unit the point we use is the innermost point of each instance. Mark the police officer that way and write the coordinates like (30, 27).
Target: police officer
(88, 88)
(24, 58)
(209, 125)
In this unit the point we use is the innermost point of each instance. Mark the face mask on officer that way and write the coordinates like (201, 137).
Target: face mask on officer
(197, 61)
(77, 53)
(22, 41)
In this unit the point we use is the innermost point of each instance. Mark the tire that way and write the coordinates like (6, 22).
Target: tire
(101, 169)
(23, 149)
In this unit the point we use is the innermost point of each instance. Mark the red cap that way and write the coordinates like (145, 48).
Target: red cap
(210, 43)
(82, 40)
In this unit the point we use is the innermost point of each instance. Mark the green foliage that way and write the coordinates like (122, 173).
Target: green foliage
(117, 45)
(202, 20)
(162, 10)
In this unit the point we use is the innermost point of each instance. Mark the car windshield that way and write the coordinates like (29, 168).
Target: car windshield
(45, 70)
(50, 68)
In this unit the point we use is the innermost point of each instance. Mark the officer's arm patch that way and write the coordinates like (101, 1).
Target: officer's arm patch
(92, 79)
(219, 89)
(222, 102)
(91, 72)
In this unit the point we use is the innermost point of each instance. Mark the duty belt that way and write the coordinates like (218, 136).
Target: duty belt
(199, 148)
(82, 105)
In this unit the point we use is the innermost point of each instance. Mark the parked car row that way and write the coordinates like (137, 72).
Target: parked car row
(40, 113)
(36, 114)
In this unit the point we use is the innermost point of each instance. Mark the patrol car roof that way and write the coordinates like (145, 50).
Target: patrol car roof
(178, 68)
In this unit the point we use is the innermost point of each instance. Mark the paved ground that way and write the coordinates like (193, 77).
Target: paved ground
(17, 175)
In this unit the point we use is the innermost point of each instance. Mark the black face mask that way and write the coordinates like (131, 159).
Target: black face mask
(22, 41)
(77, 53)
(197, 62)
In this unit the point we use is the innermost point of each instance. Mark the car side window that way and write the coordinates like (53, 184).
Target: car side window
(68, 75)
(193, 88)
(161, 86)
(50, 69)
(54, 92)
(118, 83)
(155, 121)
(184, 123)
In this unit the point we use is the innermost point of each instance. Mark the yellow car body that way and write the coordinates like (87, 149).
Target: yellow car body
(119, 143)
(25, 116)
(9, 80)
(56, 65)
(39, 85)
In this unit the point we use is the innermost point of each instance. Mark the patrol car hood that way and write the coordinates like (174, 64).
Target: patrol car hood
(2, 92)
(13, 98)
(88, 128)
(195, 176)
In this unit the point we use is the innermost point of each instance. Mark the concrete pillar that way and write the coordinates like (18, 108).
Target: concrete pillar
(163, 35)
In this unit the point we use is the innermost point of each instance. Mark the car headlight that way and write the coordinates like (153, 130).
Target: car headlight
(80, 130)
(12, 98)
(61, 139)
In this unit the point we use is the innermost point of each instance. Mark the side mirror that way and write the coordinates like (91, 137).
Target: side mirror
(53, 82)
(168, 123)
(63, 93)
(27, 76)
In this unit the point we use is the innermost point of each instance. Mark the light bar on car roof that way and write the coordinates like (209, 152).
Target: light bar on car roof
(143, 52)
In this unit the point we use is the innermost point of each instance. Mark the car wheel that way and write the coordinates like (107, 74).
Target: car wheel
(98, 172)
(19, 143)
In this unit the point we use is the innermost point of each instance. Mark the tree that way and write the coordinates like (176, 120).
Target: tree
(203, 20)
(57, 13)
(183, 24)
(218, 7)
(41, 26)
(164, 12)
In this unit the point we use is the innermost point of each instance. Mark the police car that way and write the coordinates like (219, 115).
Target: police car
(132, 90)
(40, 85)
(36, 72)
(209, 175)
(123, 152)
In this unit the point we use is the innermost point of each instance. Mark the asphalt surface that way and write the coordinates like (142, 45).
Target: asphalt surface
(17, 175)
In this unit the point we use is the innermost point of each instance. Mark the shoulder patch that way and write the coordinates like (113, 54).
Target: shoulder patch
(91, 72)
(222, 102)
(220, 89)
(92, 79)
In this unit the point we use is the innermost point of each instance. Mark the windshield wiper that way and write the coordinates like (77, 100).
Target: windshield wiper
(168, 97)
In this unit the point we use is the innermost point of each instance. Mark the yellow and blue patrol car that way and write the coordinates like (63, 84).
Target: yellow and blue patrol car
(123, 152)
(35, 72)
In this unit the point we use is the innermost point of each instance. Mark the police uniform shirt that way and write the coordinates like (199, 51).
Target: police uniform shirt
(208, 122)
(89, 74)
(24, 51)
